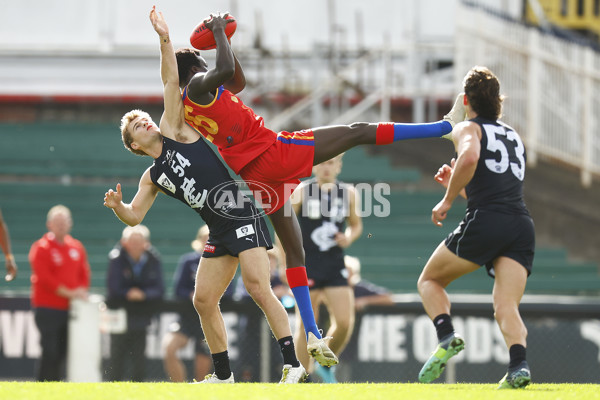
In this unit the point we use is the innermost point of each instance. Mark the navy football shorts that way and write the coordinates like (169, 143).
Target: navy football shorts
(482, 236)
(248, 234)
(326, 270)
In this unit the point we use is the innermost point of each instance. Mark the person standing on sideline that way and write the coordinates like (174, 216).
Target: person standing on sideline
(188, 326)
(60, 273)
(9, 258)
(134, 277)
(238, 232)
(327, 210)
(272, 163)
(497, 230)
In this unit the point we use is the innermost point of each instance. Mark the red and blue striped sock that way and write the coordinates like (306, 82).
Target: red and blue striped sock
(298, 282)
(389, 132)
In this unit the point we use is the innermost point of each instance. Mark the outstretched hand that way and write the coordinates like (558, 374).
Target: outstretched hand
(112, 199)
(158, 22)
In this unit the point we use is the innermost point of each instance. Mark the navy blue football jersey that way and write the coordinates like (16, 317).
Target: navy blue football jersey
(193, 174)
(323, 215)
(497, 184)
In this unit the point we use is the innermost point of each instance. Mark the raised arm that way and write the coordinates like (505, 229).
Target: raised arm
(225, 63)
(134, 212)
(173, 114)
(238, 82)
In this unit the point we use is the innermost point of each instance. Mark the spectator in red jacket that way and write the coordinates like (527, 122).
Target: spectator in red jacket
(60, 272)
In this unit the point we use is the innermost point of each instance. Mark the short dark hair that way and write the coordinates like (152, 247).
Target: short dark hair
(482, 89)
(188, 58)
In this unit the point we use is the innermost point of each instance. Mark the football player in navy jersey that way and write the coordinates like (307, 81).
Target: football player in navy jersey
(330, 222)
(271, 163)
(497, 230)
(185, 168)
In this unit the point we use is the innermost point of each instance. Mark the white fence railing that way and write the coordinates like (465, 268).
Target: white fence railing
(552, 86)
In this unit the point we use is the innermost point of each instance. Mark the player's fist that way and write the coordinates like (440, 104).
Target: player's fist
(440, 212)
(444, 173)
(218, 21)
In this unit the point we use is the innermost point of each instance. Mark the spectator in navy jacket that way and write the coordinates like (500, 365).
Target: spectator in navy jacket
(134, 278)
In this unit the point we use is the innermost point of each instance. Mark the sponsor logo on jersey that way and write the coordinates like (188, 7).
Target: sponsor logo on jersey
(229, 198)
(245, 230)
(209, 248)
(166, 183)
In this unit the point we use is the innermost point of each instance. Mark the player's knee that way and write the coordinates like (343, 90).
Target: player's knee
(203, 302)
(503, 312)
(258, 292)
(421, 283)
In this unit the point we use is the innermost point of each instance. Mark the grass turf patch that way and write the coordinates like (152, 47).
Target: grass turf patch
(261, 391)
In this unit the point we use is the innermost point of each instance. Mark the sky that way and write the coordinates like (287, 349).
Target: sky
(103, 25)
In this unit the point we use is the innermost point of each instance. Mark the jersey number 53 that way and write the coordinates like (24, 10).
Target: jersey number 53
(512, 152)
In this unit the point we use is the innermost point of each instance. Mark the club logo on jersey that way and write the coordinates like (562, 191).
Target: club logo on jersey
(324, 236)
(178, 163)
(244, 231)
(166, 183)
(195, 200)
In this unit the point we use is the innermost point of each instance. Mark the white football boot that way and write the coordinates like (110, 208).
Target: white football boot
(319, 350)
(293, 374)
(212, 378)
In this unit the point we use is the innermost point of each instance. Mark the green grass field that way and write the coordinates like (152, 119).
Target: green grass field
(251, 391)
